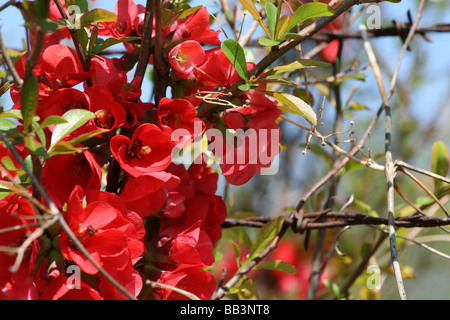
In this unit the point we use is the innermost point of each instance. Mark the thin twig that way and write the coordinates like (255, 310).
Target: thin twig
(390, 168)
(12, 69)
(428, 191)
(185, 293)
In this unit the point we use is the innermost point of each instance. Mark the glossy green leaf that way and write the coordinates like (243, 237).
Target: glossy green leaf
(272, 11)
(235, 53)
(278, 265)
(310, 11)
(247, 290)
(29, 100)
(7, 125)
(51, 120)
(251, 8)
(113, 41)
(41, 8)
(187, 12)
(84, 137)
(64, 147)
(98, 15)
(35, 146)
(82, 4)
(295, 65)
(75, 119)
(297, 105)
(265, 236)
(268, 42)
(282, 26)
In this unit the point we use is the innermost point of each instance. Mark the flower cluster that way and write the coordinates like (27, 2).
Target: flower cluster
(142, 217)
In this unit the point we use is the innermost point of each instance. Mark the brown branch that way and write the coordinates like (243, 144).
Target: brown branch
(146, 45)
(342, 219)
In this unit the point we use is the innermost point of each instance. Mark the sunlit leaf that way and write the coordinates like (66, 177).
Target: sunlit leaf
(310, 11)
(265, 236)
(29, 100)
(98, 15)
(278, 265)
(235, 53)
(268, 42)
(271, 11)
(297, 105)
(251, 8)
(75, 119)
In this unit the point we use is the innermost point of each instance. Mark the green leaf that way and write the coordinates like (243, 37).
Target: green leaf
(64, 147)
(250, 7)
(8, 163)
(282, 26)
(98, 15)
(272, 17)
(247, 290)
(51, 120)
(187, 12)
(235, 53)
(334, 287)
(297, 105)
(75, 119)
(41, 8)
(358, 106)
(268, 42)
(310, 11)
(83, 37)
(113, 41)
(366, 208)
(93, 40)
(295, 65)
(29, 100)
(82, 4)
(265, 236)
(278, 265)
(84, 137)
(7, 125)
(35, 147)
(13, 113)
(290, 36)
(439, 161)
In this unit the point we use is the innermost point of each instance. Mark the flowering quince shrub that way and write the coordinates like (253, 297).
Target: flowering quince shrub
(106, 156)
(107, 195)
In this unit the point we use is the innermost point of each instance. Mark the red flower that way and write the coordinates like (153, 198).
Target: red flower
(63, 100)
(185, 57)
(191, 279)
(62, 66)
(177, 118)
(15, 211)
(149, 150)
(109, 114)
(126, 12)
(195, 27)
(147, 193)
(62, 173)
(186, 243)
(107, 235)
(254, 145)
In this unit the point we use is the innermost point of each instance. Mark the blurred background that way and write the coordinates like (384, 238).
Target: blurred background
(420, 106)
